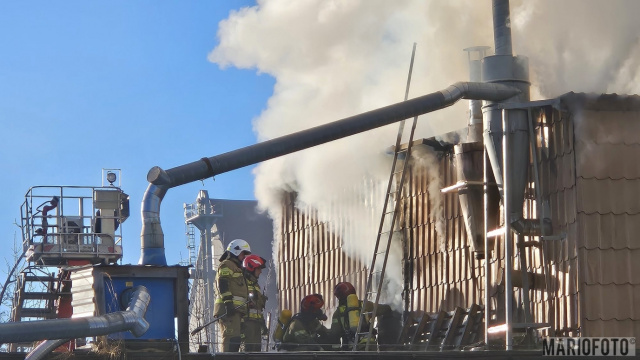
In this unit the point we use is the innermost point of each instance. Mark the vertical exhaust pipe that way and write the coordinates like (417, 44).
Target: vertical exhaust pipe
(475, 55)
(502, 27)
(504, 68)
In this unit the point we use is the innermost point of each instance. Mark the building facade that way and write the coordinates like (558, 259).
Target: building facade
(582, 278)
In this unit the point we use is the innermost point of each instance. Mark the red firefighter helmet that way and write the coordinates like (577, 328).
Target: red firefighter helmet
(253, 262)
(312, 303)
(343, 289)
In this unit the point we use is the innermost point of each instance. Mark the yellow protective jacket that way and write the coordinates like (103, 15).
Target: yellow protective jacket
(231, 286)
(340, 323)
(306, 333)
(257, 305)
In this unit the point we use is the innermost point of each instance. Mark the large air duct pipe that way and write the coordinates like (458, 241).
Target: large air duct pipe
(132, 319)
(152, 237)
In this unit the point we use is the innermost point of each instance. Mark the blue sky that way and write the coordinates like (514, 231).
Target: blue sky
(92, 85)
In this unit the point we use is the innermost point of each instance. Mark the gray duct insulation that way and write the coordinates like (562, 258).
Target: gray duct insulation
(132, 319)
(152, 237)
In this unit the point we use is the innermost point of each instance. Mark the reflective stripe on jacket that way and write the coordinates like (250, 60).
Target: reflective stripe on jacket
(257, 305)
(230, 271)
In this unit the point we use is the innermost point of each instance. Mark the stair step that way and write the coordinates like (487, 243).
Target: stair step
(39, 295)
(37, 312)
(530, 244)
(554, 237)
(530, 325)
(495, 232)
(41, 278)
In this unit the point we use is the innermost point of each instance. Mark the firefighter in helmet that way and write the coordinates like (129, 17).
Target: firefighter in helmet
(253, 325)
(232, 294)
(344, 322)
(305, 331)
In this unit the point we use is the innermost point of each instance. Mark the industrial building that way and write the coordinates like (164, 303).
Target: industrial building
(519, 227)
(580, 278)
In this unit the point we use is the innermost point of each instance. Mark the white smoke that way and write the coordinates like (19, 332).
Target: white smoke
(427, 160)
(579, 45)
(334, 59)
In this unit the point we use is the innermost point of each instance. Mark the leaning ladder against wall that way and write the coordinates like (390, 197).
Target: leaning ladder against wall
(390, 210)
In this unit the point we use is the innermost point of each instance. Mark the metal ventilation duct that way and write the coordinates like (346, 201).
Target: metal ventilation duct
(132, 319)
(152, 237)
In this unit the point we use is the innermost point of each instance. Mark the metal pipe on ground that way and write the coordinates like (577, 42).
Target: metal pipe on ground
(45, 348)
(132, 319)
(152, 237)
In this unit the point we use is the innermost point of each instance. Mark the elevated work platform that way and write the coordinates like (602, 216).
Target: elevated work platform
(70, 225)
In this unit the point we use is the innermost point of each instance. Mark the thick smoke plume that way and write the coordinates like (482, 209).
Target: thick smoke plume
(333, 59)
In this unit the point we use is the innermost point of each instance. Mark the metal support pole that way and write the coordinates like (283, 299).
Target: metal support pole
(508, 245)
(487, 252)
(208, 283)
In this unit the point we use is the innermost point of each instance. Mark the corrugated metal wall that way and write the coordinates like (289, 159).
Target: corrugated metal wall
(444, 272)
(311, 260)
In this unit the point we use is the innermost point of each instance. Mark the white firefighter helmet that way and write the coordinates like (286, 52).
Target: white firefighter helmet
(237, 246)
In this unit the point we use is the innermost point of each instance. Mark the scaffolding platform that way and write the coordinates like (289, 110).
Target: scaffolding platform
(69, 225)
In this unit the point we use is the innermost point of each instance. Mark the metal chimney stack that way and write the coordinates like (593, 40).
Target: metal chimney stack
(504, 68)
(506, 142)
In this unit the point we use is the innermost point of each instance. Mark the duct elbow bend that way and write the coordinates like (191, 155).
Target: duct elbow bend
(139, 327)
(531, 227)
(478, 91)
(136, 311)
(455, 92)
(158, 176)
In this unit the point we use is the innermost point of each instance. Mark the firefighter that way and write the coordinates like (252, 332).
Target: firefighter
(305, 331)
(231, 294)
(253, 325)
(344, 322)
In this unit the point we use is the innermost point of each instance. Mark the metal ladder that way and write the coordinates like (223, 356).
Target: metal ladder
(386, 230)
